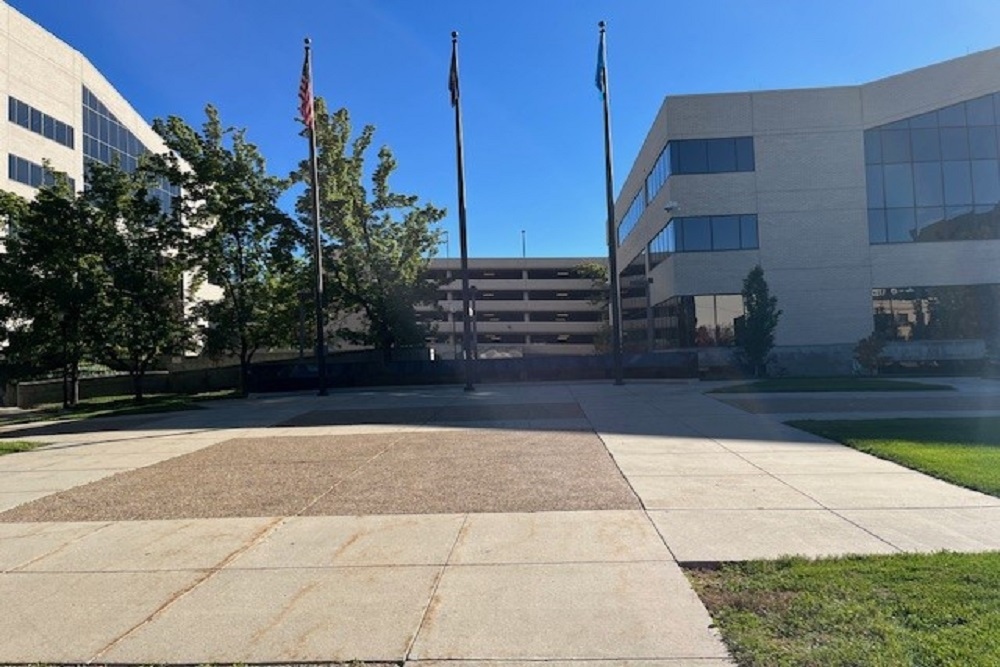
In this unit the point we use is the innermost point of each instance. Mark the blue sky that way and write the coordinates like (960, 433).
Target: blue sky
(533, 133)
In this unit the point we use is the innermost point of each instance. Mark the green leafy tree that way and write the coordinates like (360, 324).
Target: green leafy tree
(51, 279)
(140, 315)
(868, 353)
(378, 243)
(237, 243)
(756, 332)
(598, 275)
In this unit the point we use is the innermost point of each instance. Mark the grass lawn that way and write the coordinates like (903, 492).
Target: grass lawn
(777, 385)
(11, 446)
(108, 406)
(961, 450)
(941, 609)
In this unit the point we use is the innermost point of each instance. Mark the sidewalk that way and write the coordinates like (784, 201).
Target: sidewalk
(451, 526)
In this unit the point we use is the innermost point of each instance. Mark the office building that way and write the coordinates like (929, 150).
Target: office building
(869, 207)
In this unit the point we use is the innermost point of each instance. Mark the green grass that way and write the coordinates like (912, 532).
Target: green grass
(937, 610)
(115, 406)
(777, 385)
(961, 450)
(12, 446)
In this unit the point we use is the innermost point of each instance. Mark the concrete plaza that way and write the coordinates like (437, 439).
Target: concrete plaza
(513, 524)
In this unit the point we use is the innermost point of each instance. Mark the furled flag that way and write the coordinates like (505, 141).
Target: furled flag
(306, 92)
(601, 77)
(453, 73)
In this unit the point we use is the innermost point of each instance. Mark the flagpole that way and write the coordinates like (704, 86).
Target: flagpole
(317, 237)
(616, 332)
(462, 235)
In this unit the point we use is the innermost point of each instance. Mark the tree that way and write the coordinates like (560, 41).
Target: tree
(237, 242)
(51, 279)
(378, 243)
(868, 352)
(598, 274)
(140, 315)
(761, 314)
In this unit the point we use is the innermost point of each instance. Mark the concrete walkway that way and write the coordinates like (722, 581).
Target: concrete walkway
(400, 581)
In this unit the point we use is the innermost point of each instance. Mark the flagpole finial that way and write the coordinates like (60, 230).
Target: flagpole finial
(601, 25)
(308, 42)
(454, 35)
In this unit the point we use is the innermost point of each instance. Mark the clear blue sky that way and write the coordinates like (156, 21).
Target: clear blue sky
(533, 133)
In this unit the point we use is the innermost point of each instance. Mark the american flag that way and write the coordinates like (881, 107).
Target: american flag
(453, 73)
(306, 93)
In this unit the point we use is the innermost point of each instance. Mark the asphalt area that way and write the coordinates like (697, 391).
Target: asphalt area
(448, 471)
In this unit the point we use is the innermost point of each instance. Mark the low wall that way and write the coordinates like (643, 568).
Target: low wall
(31, 394)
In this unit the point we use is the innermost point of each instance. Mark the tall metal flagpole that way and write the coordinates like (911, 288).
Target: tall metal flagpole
(616, 330)
(308, 117)
(463, 240)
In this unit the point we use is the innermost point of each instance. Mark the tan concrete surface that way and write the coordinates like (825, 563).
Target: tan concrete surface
(926, 530)
(587, 610)
(727, 492)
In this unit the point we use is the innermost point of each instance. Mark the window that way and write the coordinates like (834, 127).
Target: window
(34, 120)
(703, 320)
(935, 176)
(631, 217)
(704, 233)
(30, 173)
(712, 156)
(955, 312)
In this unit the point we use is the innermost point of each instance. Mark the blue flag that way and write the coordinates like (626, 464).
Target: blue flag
(601, 77)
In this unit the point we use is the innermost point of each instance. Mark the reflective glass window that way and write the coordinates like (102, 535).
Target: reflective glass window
(23, 171)
(983, 143)
(721, 155)
(873, 147)
(876, 225)
(11, 109)
(36, 121)
(896, 146)
(704, 316)
(744, 154)
(927, 218)
(953, 116)
(900, 225)
(954, 143)
(748, 231)
(23, 114)
(36, 174)
(924, 120)
(898, 181)
(873, 180)
(926, 145)
(728, 308)
(927, 184)
(49, 127)
(980, 111)
(697, 234)
(957, 183)
(985, 181)
(725, 232)
(692, 157)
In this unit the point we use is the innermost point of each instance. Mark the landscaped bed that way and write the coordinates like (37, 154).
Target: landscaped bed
(13, 446)
(108, 406)
(940, 609)
(961, 450)
(781, 385)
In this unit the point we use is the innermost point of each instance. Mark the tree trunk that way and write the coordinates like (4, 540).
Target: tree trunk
(74, 383)
(137, 378)
(244, 371)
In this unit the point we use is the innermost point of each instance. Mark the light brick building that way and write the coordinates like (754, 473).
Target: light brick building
(867, 206)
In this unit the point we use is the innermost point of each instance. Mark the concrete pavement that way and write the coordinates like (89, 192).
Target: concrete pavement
(379, 548)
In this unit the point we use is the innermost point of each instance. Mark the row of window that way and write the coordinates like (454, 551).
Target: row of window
(705, 320)
(930, 144)
(518, 339)
(704, 233)
(954, 312)
(688, 156)
(444, 275)
(32, 119)
(31, 173)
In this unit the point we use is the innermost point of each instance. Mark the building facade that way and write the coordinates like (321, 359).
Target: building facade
(530, 306)
(870, 208)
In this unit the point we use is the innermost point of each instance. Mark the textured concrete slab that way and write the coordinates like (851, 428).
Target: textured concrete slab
(11, 500)
(558, 537)
(731, 535)
(274, 616)
(806, 443)
(587, 610)
(635, 444)
(827, 462)
(884, 402)
(23, 543)
(664, 662)
(748, 492)
(685, 464)
(47, 480)
(886, 490)
(928, 530)
(70, 617)
(149, 546)
(438, 414)
(329, 541)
